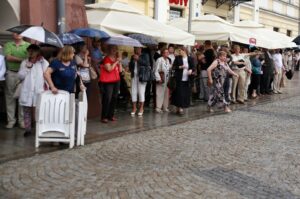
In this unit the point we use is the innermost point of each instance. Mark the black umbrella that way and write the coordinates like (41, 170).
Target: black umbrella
(19, 29)
(297, 40)
(38, 33)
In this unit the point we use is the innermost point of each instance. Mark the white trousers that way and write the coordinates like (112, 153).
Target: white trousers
(137, 90)
(162, 96)
(247, 83)
(277, 80)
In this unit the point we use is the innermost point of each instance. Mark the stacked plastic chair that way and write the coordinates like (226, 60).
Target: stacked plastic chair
(81, 118)
(55, 118)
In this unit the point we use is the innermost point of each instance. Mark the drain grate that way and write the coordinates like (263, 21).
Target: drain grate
(245, 185)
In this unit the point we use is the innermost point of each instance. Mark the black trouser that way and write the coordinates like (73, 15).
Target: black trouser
(109, 98)
(226, 87)
(255, 82)
(265, 83)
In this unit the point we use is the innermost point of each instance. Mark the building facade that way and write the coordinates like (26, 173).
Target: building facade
(279, 15)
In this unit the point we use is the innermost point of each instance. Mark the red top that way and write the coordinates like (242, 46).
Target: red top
(109, 76)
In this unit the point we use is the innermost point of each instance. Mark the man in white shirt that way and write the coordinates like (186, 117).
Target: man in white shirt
(279, 67)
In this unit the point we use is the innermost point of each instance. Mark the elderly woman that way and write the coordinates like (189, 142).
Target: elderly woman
(83, 62)
(216, 75)
(183, 66)
(109, 82)
(31, 74)
(138, 88)
(61, 73)
(162, 69)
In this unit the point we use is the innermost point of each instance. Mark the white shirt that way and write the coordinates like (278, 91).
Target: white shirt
(185, 74)
(278, 60)
(172, 57)
(238, 57)
(2, 68)
(163, 65)
(32, 81)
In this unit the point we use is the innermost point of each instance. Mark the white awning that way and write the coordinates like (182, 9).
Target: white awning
(274, 39)
(211, 27)
(111, 18)
(9, 14)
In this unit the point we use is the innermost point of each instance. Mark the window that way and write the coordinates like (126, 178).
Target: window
(289, 33)
(89, 1)
(277, 7)
(290, 11)
(276, 29)
(175, 13)
(263, 3)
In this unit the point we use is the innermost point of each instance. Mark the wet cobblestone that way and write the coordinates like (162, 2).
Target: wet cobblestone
(251, 153)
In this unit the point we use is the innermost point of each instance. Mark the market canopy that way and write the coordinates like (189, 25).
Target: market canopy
(270, 39)
(211, 27)
(120, 18)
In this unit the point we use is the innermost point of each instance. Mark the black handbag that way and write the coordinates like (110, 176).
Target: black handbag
(172, 81)
(145, 74)
(289, 74)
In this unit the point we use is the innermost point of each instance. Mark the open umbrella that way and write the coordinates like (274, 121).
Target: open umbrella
(19, 29)
(38, 33)
(90, 32)
(69, 38)
(143, 39)
(297, 40)
(121, 40)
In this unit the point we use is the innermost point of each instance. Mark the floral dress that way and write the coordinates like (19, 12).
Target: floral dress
(217, 92)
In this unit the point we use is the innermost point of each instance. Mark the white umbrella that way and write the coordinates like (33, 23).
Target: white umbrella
(119, 18)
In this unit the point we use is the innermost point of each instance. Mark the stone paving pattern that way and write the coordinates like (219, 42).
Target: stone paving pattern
(251, 153)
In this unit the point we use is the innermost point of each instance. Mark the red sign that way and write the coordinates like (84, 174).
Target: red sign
(179, 2)
(252, 41)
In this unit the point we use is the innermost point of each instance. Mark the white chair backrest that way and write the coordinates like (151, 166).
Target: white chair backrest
(55, 112)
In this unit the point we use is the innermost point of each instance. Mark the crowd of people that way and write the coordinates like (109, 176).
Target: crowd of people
(219, 75)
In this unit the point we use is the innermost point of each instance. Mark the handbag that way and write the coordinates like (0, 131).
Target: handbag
(109, 77)
(145, 74)
(162, 76)
(17, 90)
(93, 73)
(289, 74)
(84, 74)
(172, 81)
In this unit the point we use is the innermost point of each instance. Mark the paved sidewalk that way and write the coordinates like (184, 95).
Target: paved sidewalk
(251, 153)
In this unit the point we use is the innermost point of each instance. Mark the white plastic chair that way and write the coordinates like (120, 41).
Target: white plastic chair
(81, 118)
(55, 118)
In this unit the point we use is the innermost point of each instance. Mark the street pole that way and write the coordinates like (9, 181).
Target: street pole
(61, 16)
(298, 18)
(190, 16)
(156, 9)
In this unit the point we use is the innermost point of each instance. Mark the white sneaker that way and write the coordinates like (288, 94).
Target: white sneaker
(10, 125)
(22, 125)
(158, 110)
(166, 110)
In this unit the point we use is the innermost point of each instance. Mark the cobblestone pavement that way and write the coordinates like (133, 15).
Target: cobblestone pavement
(251, 153)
